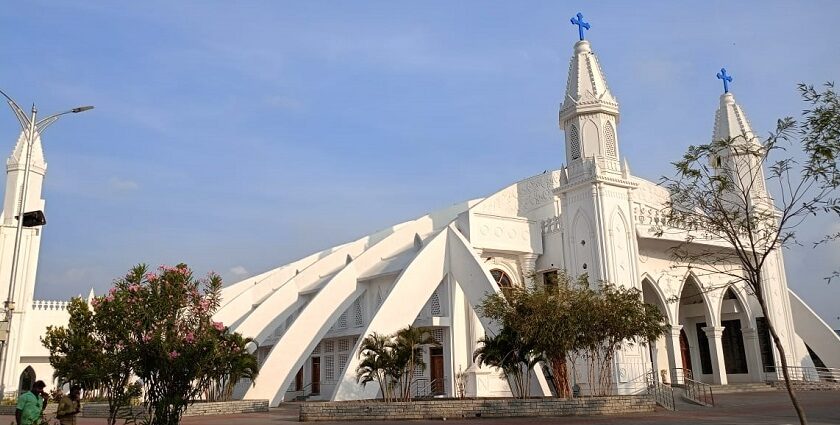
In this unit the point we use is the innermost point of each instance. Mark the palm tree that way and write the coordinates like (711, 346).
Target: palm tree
(377, 363)
(506, 351)
(408, 348)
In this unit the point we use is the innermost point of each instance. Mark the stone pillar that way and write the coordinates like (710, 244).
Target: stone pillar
(529, 267)
(714, 334)
(672, 338)
(753, 352)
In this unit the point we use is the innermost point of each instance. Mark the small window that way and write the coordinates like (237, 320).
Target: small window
(574, 143)
(551, 279)
(501, 278)
(610, 141)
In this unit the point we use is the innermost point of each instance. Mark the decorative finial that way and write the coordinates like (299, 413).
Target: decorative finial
(578, 20)
(726, 79)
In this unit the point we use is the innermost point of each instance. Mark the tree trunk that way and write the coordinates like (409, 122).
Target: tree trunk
(560, 375)
(800, 412)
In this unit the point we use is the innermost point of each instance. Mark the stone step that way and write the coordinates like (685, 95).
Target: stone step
(741, 388)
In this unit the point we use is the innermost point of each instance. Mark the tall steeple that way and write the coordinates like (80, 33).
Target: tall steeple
(589, 112)
(594, 187)
(731, 124)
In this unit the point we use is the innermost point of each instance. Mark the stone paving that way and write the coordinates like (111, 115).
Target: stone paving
(822, 407)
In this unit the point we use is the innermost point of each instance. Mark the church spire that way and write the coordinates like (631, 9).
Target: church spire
(589, 112)
(730, 120)
(732, 125)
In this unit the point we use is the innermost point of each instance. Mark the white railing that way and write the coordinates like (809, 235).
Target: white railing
(46, 305)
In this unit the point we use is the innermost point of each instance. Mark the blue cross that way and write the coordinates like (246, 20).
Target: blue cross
(578, 20)
(726, 79)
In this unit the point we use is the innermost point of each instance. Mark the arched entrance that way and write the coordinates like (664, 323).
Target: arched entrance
(658, 350)
(27, 378)
(694, 315)
(738, 340)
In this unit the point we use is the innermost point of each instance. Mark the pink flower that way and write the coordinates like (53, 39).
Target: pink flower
(134, 287)
(189, 338)
(109, 298)
(204, 304)
(94, 302)
(173, 355)
(151, 277)
(147, 337)
(219, 326)
(112, 291)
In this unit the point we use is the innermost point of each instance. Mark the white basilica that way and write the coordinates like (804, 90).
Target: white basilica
(590, 216)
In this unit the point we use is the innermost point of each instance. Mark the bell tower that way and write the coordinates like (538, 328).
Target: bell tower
(594, 187)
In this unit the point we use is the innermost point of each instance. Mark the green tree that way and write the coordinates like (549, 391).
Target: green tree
(376, 362)
(391, 360)
(508, 352)
(408, 345)
(158, 327)
(718, 194)
(562, 320)
(90, 351)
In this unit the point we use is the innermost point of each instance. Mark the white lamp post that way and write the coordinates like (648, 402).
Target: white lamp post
(31, 127)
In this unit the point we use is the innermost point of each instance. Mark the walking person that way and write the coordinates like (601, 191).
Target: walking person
(30, 405)
(69, 406)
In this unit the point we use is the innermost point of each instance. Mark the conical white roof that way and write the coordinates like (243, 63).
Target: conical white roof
(731, 121)
(586, 89)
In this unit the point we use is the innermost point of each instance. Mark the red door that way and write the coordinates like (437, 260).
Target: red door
(436, 370)
(685, 351)
(316, 375)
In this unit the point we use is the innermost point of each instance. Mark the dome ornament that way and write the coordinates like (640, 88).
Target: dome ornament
(578, 20)
(726, 79)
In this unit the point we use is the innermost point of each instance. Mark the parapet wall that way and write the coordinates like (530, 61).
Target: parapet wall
(473, 408)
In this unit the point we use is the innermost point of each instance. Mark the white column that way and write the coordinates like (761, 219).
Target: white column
(753, 351)
(529, 267)
(714, 334)
(672, 338)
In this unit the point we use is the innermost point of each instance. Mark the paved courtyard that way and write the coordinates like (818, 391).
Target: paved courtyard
(745, 408)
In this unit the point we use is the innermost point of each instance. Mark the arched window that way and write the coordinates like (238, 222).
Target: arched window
(501, 278)
(609, 137)
(27, 378)
(574, 143)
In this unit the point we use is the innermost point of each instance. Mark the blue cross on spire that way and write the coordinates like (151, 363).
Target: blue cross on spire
(578, 20)
(726, 79)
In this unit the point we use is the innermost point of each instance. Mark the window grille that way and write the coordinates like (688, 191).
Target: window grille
(358, 315)
(317, 349)
(344, 344)
(610, 139)
(342, 362)
(437, 334)
(342, 321)
(329, 367)
(574, 142)
(328, 346)
(435, 305)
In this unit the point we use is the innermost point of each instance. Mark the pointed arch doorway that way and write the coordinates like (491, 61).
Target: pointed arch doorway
(27, 378)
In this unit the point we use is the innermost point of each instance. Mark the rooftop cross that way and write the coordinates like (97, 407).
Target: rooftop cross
(578, 20)
(726, 79)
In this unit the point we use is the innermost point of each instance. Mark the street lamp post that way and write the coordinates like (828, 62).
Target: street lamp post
(31, 127)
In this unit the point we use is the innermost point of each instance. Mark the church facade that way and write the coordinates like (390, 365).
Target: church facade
(590, 216)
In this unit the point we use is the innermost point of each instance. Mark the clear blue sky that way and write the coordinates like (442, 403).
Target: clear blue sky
(237, 136)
